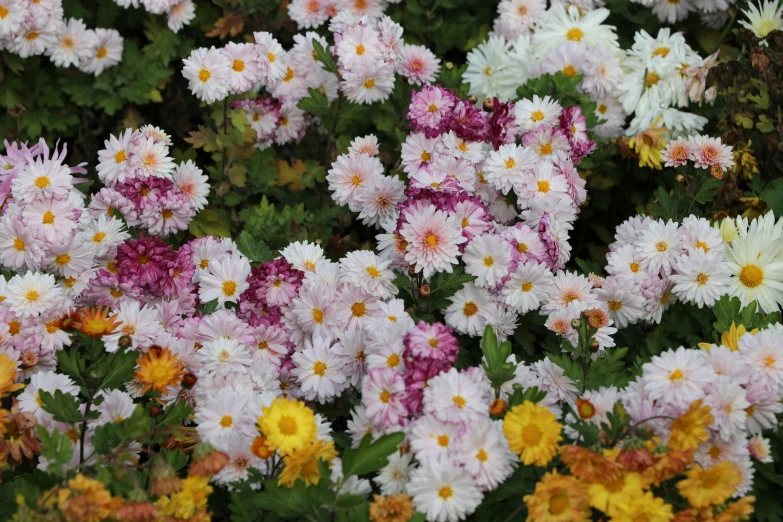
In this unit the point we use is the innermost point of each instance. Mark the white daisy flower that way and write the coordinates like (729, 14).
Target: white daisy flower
(106, 52)
(677, 377)
(395, 475)
(225, 280)
(700, 278)
(467, 310)
(531, 114)
(443, 492)
(659, 246)
(207, 72)
(527, 287)
(365, 270)
(453, 397)
(303, 255)
(487, 257)
(319, 371)
(31, 294)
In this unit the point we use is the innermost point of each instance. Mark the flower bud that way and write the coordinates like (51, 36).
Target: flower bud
(412, 270)
(473, 100)
(489, 104)
(189, 380)
(576, 323)
(155, 410)
(125, 342)
(594, 346)
(449, 66)
(498, 407)
(425, 290)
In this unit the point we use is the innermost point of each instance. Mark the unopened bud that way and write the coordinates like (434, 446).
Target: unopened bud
(473, 100)
(189, 380)
(155, 410)
(680, 178)
(498, 407)
(412, 270)
(449, 66)
(594, 346)
(425, 290)
(576, 323)
(125, 342)
(489, 105)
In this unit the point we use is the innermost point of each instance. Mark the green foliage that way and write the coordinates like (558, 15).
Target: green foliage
(370, 455)
(57, 448)
(498, 369)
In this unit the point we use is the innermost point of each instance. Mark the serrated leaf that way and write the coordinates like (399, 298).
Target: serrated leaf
(444, 285)
(120, 366)
(708, 189)
(726, 310)
(56, 447)
(370, 455)
(325, 57)
(255, 250)
(316, 103)
(64, 407)
(664, 207)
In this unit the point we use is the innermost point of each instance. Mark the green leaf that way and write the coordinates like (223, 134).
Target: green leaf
(71, 364)
(176, 459)
(664, 207)
(496, 366)
(726, 310)
(64, 407)
(325, 57)
(708, 190)
(174, 415)
(607, 369)
(370, 456)
(773, 197)
(444, 285)
(257, 251)
(106, 438)
(316, 103)
(120, 369)
(56, 447)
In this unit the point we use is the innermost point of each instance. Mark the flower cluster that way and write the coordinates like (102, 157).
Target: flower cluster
(31, 28)
(178, 12)
(314, 13)
(143, 184)
(705, 153)
(711, 14)
(651, 81)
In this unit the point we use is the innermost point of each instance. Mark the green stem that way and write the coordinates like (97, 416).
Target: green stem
(725, 32)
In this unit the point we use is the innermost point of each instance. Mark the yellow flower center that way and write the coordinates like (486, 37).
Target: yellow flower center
(488, 261)
(614, 306)
(229, 288)
(48, 218)
(652, 78)
(443, 440)
(469, 309)
(32, 295)
(3, 11)
(445, 492)
(319, 368)
(661, 246)
(63, 259)
(431, 240)
(543, 186)
(42, 182)
(425, 156)
(751, 276)
(537, 115)
(634, 266)
(676, 375)
(558, 504)
(318, 316)
(569, 70)
(373, 272)
(459, 401)
(360, 49)
(226, 421)
(482, 455)
(663, 52)
(702, 279)
(101, 53)
(287, 425)
(238, 65)
(385, 396)
(546, 149)
(358, 310)
(393, 360)
(510, 163)
(526, 287)
(289, 75)
(369, 83)
(575, 34)
(19, 244)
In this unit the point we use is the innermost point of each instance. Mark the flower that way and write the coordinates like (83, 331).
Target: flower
(288, 425)
(225, 279)
(659, 246)
(677, 377)
(764, 18)
(689, 430)
(756, 268)
(393, 508)
(303, 463)
(106, 51)
(31, 294)
(642, 507)
(443, 492)
(453, 397)
(418, 64)
(319, 371)
(700, 278)
(711, 486)
(159, 369)
(677, 152)
(468, 310)
(7, 376)
(533, 433)
(84, 499)
(207, 72)
(433, 237)
(95, 322)
(558, 498)
(487, 257)
(189, 501)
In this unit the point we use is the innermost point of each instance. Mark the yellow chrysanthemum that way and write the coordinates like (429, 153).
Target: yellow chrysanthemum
(288, 425)
(737, 511)
(732, 337)
(606, 496)
(648, 146)
(187, 502)
(690, 429)
(303, 463)
(646, 507)
(158, 370)
(558, 498)
(394, 508)
(84, 500)
(533, 433)
(711, 486)
(7, 376)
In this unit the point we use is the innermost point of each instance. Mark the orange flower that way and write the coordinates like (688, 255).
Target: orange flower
(85, 500)
(158, 370)
(394, 508)
(8, 376)
(19, 439)
(668, 465)
(590, 466)
(737, 511)
(95, 322)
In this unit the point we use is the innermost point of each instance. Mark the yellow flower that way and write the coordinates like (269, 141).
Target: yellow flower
(394, 508)
(737, 511)
(7, 376)
(84, 500)
(558, 498)
(731, 338)
(607, 496)
(711, 486)
(189, 501)
(96, 322)
(646, 507)
(648, 146)
(303, 463)
(728, 230)
(690, 429)
(159, 369)
(533, 433)
(288, 425)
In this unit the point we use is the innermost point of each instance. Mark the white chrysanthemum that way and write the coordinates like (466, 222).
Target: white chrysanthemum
(623, 301)
(530, 114)
(554, 381)
(569, 287)
(244, 70)
(433, 238)
(190, 179)
(115, 159)
(443, 492)
(565, 23)
(349, 174)
(542, 185)
(700, 278)
(504, 167)
(377, 200)
(303, 255)
(763, 353)
(488, 258)
(659, 246)
(207, 73)
(677, 377)
(106, 52)
(31, 294)
(181, 14)
(315, 311)
(139, 323)
(151, 158)
(224, 357)
(368, 82)
(14, 14)
(530, 284)
(756, 267)
(116, 407)
(485, 454)
(225, 279)
(395, 475)
(74, 44)
(319, 371)
(223, 414)
(728, 403)
(468, 308)
(453, 397)
(494, 69)
(363, 269)
(764, 18)
(624, 262)
(42, 179)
